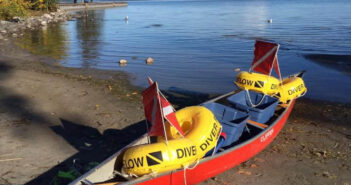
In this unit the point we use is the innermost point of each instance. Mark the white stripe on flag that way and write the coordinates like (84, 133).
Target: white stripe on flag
(167, 110)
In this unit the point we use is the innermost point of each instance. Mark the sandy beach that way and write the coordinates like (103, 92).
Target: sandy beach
(51, 116)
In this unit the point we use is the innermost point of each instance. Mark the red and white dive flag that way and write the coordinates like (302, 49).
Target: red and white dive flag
(157, 107)
(266, 58)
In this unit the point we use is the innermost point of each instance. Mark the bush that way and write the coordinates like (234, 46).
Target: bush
(11, 8)
(44, 4)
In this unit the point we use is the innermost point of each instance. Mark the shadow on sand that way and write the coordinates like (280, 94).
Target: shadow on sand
(92, 146)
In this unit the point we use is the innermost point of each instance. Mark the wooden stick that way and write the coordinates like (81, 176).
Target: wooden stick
(257, 124)
(13, 159)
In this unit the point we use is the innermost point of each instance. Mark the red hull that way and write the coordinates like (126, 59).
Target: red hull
(225, 160)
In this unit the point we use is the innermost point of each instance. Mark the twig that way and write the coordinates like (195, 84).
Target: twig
(13, 159)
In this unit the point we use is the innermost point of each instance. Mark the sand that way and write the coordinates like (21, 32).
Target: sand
(51, 116)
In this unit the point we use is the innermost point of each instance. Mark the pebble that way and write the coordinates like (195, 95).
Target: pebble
(149, 60)
(43, 23)
(1, 37)
(47, 16)
(3, 22)
(16, 19)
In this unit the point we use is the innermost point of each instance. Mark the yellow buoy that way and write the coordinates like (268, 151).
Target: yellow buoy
(201, 133)
(257, 82)
(291, 88)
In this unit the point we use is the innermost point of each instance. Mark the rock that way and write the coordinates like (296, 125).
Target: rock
(16, 19)
(47, 16)
(327, 174)
(43, 23)
(3, 31)
(14, 35)
(1, 37)
(123, 61)
(149, 60)
(3, 22)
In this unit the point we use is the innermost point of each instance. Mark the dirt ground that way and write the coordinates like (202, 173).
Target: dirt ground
(51, 116)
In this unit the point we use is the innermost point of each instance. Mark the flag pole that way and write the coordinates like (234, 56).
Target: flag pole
(163, 121)
(167, 119)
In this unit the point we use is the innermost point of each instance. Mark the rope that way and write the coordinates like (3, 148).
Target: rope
(190, 168)
(197, 161)
(249, 97)
(219, 135)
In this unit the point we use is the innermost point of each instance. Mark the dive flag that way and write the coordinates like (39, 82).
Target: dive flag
(152, 110)
(266, 58)
(162, 107)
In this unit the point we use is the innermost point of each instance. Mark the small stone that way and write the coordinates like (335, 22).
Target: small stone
(318, 154)
(149, 60)
(47, 16)
(87, 144)
(43, 23)
(1, 37)
(3, 22)
(14, 35)
(16, 19)
(3, 31)
(123, 61)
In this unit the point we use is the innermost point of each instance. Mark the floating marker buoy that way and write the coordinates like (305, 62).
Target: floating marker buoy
(126, 18)
(270, 20)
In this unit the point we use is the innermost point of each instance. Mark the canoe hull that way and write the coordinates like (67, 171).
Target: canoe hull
(226, 160)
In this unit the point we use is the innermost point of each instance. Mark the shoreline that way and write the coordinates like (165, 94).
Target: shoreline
(51, 116)
(18, 25)
(63, 114)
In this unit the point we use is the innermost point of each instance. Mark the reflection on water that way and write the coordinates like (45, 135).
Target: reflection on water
(88, 29)
(340, 63)
(198, 44)
(48, 41)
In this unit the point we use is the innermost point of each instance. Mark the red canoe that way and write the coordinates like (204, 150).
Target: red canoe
(107, 172)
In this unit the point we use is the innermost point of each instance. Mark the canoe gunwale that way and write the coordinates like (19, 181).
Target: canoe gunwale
(225, 152)
(146, 178)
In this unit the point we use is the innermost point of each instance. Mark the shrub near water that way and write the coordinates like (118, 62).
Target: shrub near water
(11, 8)
(44, 4)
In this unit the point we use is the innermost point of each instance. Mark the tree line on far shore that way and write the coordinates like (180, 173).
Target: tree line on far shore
(22, 8)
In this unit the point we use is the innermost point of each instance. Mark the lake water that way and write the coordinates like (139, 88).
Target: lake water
(197, 45)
